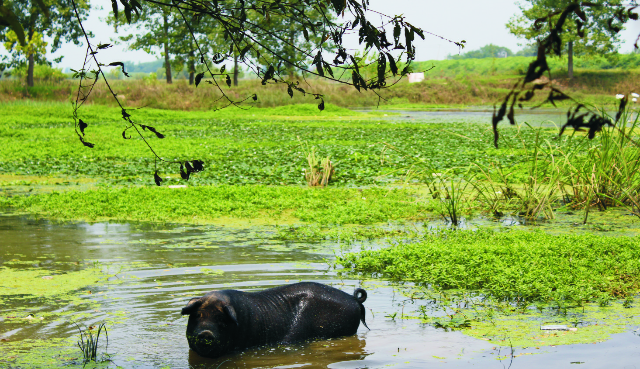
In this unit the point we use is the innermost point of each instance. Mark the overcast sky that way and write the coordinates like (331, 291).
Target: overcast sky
(477, 22)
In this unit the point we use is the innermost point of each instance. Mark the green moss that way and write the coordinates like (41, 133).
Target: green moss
(29, 283)
(594, 324)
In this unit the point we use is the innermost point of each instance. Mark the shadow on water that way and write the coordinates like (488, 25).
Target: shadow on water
(155, 269)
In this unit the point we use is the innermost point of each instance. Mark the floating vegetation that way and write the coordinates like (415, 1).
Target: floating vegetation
(517, 267)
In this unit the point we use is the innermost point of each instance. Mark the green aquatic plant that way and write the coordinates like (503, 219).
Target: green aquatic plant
(275, 204)
(319, 170)
(453, 196)
(604, 172)
(518, 267)
(89, 343)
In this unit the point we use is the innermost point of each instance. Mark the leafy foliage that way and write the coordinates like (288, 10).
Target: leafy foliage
(31, 20)
(555, 26)
(516, 266)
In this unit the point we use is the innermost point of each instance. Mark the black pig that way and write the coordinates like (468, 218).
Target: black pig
(223, 321)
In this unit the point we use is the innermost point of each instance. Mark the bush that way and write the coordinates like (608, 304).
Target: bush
(40, 72)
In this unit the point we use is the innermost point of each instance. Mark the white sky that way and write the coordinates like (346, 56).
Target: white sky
(477, 22)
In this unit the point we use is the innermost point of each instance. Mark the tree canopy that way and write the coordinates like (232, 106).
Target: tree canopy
(559, 28)
(594, 31)
(486, 51)
(24, 23)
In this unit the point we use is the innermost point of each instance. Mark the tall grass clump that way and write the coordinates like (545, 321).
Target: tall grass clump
(89, 343)
(453, 196)
(448, 187)
(603, 172)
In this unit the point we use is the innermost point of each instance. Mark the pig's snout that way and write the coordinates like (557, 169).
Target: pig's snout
(205, 335)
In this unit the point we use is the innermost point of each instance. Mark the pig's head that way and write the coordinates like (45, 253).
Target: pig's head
(212, 322)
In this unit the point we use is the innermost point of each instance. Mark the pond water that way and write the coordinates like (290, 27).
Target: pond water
(550, 118)
(156, 269)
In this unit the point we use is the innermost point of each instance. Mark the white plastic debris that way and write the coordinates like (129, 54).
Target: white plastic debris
(554, 328)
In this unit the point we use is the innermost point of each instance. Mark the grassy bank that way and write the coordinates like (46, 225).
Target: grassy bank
(450, 82)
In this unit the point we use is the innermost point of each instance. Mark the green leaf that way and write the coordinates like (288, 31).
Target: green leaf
(43, 7)
(199, 78)
(14, 23)
(392, 64)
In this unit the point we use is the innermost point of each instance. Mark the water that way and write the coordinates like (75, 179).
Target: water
(164, 269)
(535, 117)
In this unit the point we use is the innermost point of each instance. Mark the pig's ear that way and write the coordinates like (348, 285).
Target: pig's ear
(231, 312)
(192, 306)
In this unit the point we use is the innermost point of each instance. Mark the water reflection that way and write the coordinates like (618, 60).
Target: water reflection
(335, 353)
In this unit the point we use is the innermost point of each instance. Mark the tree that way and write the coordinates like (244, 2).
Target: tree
(487, 51)
(24, 23)
(579, 116)
(597, 33)
(159, 31)
(297, 39)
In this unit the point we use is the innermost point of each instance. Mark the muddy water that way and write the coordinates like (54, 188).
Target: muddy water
(159, 268)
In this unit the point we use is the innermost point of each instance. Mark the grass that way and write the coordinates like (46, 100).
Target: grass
(206, 204)
(90, 343)
(516, 266)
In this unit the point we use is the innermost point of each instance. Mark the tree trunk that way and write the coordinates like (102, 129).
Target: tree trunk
(167, 62)
(235, 70)
(31, 59)
(32, 63)
(192, 70)
(292, 36)
(570, 57)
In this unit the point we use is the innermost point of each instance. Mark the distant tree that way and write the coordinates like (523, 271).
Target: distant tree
(25, 23)
(159, 31)
(593, 31)
(487, 51)
(297, 38)
(528, 50)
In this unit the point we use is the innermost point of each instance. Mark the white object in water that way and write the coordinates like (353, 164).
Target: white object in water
(415, 77)
(554, 328)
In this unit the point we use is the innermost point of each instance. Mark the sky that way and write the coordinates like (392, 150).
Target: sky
(478, 22)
